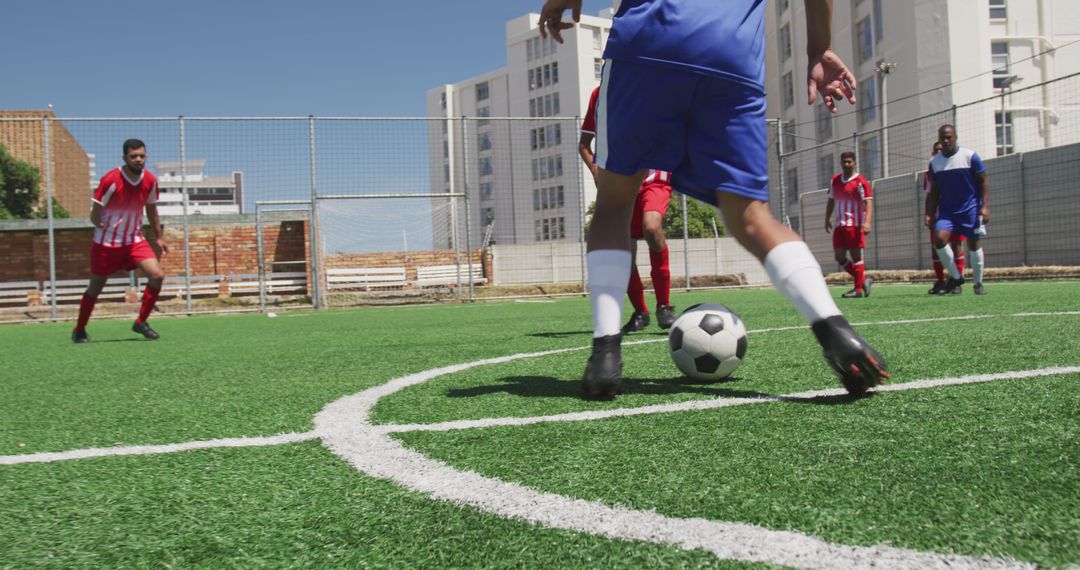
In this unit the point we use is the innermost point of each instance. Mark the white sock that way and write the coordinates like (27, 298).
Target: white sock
(609, 273)
(977, 265)
(796, 274)
(945, 255)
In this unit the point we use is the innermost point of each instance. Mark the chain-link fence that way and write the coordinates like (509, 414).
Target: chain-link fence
(264, 213)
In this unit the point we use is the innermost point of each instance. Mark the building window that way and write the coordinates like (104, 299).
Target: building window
(485, 190)
(560, 196)
(864, 41)
(532, 107)
(825, 166)
(533, 141)
(442, 100)
(446, 173)
(541, 138)
(791, 182)
(998, 10)
(867, 103)
(487, 216)
(483, 141)
(547, 106)
(785, 42)
(790, 142)
(555, 103)
(1005, 140)
(558, 165)
(596, 43)
(529, 50)
(445, 149)
(598, 68)
(484, 113)
(554, 73)
(482, 91)
(870, 157)
(485, 166)
(787, 90)
(879, 21)
(999, 62)
(547, 75)
(532, 79)
(781, 7)
(823, 123)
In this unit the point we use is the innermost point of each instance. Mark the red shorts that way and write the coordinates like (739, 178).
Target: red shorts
(653, 197)
(105, 261)
(957, 237)
(848, 237)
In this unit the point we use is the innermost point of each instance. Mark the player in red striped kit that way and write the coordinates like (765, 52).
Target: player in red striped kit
(851, 196)
(650, 206)
(118, 243)
(956, 242)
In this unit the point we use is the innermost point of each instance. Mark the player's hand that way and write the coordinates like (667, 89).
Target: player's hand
(551, 17)
(928, 222)
(985, 213)
(866, 229)
(827, 74)
(828, 226)
(164, 247)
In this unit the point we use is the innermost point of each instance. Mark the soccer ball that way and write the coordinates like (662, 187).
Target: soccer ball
(707, 342)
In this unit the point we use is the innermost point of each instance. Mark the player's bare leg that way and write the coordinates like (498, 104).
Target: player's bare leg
(796, 274)
(858, 271)
(840, 254)
(945, 254)
(652, 228)
(608, 262)
(86, 307)
(156, 277)
(635, 290)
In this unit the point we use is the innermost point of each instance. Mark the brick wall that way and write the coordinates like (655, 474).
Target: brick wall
(25, 140)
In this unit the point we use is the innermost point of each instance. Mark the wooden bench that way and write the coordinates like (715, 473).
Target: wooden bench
(201, 286)
(435, 275)
(365, 278)
(18, 292)
(276, 283)
(71, 290)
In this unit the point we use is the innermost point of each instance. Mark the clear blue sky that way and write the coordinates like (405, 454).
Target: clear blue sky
(245, 58)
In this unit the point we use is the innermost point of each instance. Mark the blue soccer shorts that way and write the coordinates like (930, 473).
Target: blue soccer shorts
(708, 132)
(963, 223)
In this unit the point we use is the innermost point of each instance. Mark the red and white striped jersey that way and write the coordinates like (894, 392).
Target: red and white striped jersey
(122, 201)
(850, 196)
(588, 126)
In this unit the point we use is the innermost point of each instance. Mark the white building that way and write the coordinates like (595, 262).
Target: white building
(524, 177)
(945, 53)
(206, 194)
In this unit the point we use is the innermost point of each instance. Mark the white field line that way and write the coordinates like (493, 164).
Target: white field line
(152, 449)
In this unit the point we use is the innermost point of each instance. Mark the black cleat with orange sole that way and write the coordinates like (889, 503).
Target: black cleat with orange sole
(858, 365)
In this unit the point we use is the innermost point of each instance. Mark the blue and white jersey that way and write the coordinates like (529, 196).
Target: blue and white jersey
(718, 38)
(957, 180)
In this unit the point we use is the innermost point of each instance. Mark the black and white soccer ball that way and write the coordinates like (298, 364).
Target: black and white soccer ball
(707, 342)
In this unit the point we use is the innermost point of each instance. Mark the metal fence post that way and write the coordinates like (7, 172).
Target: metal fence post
(919, 247)
(1023, 212)
(468, 212)
(49, 214)
(685, 243)
(316, 290)
(187, 229)
(260, 254)
(582, 211)
(780, 170)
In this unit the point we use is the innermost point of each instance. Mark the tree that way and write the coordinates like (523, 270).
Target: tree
(20, 188)
(700, 219)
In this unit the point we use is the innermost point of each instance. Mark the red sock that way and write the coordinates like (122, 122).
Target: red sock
(86, 306)
(939, 271)
(149, 299)
(849, 267)
(860, 275)
(960, 263)
(661, 275)
(636, 290)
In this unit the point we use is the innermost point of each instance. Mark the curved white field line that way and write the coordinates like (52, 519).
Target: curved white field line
(345, 429)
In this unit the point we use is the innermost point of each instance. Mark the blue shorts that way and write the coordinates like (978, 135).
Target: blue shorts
(708, 132)
(959, 223)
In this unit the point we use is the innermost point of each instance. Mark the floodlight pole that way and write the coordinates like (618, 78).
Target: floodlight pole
(883, 68)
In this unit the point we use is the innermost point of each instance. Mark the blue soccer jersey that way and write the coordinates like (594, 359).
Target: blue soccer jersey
(723, 39)
(957, 181)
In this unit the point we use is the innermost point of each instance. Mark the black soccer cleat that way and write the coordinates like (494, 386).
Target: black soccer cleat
(665, 316)
(79, 337)
(858, 365)
(979, 289)
(853, 294)
(144, 329)
(953, 283)
(866, 286)
(937, 289)
(638, 321)
(603, 371)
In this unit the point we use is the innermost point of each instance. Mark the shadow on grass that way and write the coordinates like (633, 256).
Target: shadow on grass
(549, 387)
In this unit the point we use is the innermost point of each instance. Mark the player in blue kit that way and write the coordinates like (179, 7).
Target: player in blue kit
(959, 194)
(683, 91)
